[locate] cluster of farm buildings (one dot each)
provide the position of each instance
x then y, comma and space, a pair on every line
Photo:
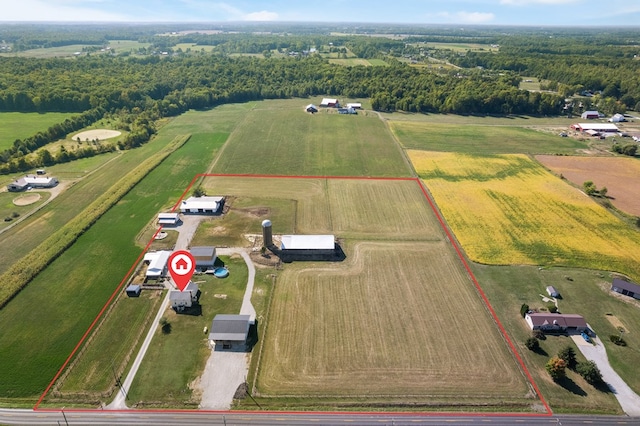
350, 108
601, 129
228, 331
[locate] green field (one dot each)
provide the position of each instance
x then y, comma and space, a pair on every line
481, 139
279, 138
59, 304
20, 125
50, 52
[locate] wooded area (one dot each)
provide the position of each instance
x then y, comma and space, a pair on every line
135, 88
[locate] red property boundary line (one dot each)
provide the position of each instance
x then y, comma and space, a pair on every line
452, 240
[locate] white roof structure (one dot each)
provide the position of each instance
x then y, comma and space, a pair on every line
34, 181
194, 204
310, 106
308, 242
354, 105
598, 127
617, 118
168, 218
157, 263
328, 101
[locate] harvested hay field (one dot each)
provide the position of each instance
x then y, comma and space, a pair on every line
621, 176
507, 209
352, 208
401, 320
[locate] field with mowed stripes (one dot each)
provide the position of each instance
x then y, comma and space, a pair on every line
399, 321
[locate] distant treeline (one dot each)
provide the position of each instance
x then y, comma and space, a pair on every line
137, 90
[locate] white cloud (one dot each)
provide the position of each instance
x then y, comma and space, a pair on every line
461, 17
263, 15
474, 17
528, 2
37, 10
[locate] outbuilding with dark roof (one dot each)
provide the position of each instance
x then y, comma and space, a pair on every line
229, 332
626, 288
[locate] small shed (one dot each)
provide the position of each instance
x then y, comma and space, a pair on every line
133, 290
626, 288
551, 291
354, 105
311, 108
168, 219
229, 331
617, 118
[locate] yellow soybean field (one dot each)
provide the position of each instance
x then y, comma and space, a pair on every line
507, 209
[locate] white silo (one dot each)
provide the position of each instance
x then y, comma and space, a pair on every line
267, 234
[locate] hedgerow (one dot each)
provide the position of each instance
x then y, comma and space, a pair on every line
23, 271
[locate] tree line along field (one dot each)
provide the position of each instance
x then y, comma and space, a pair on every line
281, 138
392, 323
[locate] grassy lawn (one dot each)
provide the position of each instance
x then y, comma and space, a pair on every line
52, 52
533, 217
481, 139
20, 125
585, 292
121, 46
56, 308
176, 359
285, 140
92, 376
245, 217
9, 208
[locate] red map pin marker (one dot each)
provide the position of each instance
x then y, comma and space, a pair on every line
181, 267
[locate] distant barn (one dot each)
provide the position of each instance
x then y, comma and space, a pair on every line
330, 103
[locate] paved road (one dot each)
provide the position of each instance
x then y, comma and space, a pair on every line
628, 399
70, 417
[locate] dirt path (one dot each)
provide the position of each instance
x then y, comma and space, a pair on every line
628, 399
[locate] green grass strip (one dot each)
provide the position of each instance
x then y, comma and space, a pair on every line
23, 271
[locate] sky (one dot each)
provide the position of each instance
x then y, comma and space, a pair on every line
470, 12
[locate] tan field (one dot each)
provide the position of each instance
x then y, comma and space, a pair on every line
396, 319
